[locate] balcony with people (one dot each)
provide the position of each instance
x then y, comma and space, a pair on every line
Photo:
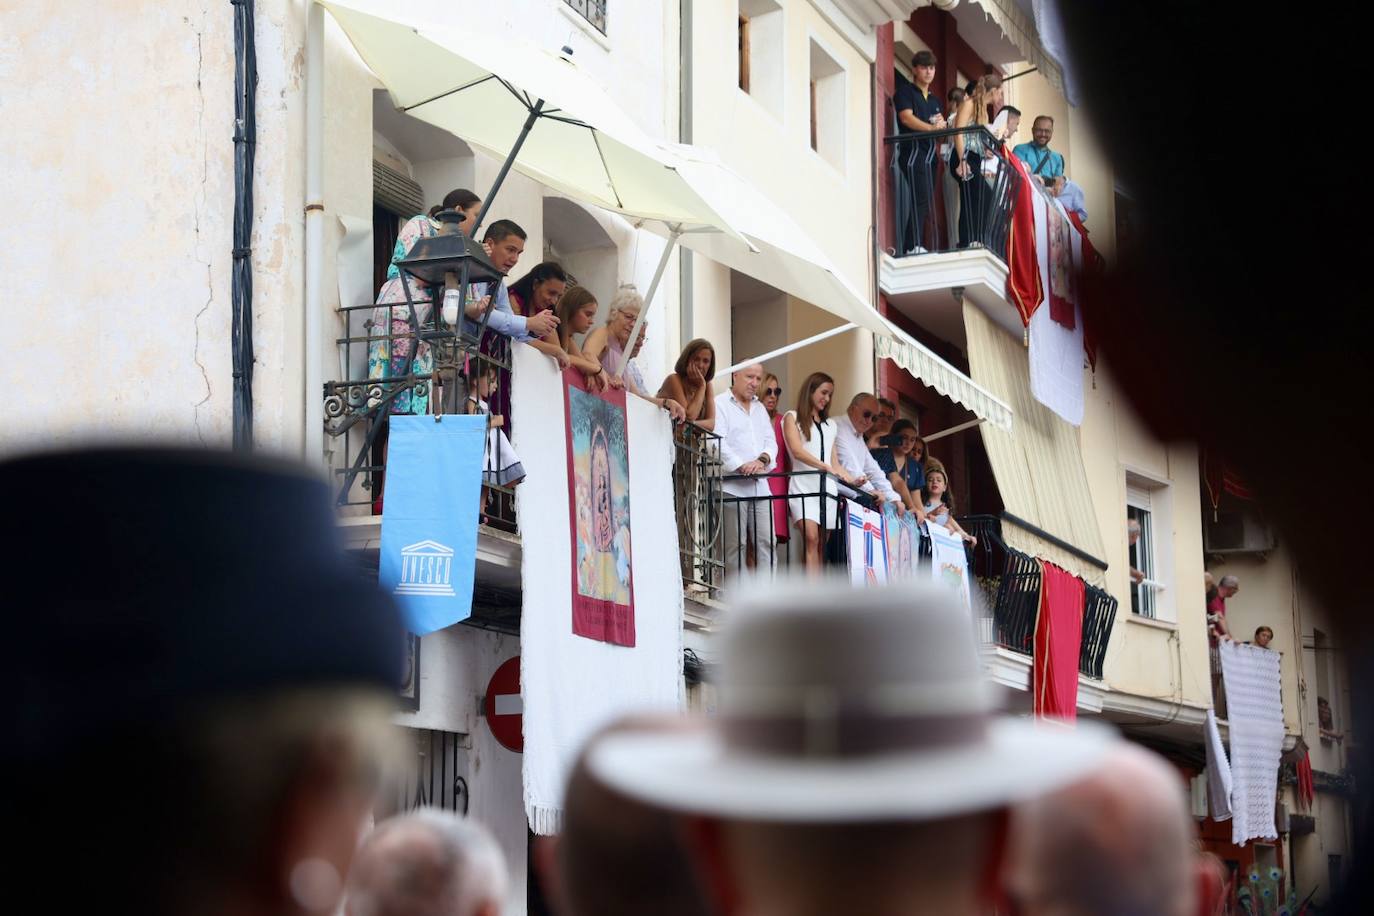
764, 494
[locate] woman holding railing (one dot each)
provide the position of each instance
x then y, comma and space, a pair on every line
966, 160
576, 313
770, 394
607, 343
810, 436
388, 354
903, 461
690, 382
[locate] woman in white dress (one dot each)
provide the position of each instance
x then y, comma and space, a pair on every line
810, 436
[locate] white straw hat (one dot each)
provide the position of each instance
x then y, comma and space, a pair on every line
843, 705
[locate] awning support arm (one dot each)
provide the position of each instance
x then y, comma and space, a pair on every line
505, 166
673, 234
780, 351
953, 429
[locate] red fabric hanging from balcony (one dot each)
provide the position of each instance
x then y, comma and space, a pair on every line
1306, 790
1219, 479
1058, 642
1023, 266
1094, 269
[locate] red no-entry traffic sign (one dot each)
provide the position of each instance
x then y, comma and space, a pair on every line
504, 707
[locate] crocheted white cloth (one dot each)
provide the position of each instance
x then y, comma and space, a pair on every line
1255, 712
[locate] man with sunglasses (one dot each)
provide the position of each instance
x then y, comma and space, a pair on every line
882, 424
857, 460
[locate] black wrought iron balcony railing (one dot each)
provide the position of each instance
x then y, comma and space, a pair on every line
1010, 583
724, 536
403, 358
594, 11
1099, 615
952, 189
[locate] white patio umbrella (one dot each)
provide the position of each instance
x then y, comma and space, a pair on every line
534, 109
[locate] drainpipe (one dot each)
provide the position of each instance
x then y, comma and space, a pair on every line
874, 181
684, 131
241, 279
314, 234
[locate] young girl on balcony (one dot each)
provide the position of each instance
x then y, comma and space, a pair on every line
576, 313
938, 504
501, 466
903, 460
966, 160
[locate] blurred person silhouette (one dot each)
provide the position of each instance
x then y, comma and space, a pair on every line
1168, 301
200, 685
1119, 842
854, 765
617, 855
427, 863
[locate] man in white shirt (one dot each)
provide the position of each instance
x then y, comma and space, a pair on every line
855, 457
747, 447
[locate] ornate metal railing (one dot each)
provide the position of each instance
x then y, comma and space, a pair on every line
406, 359
431, 775
594, 11
1099, 615
720, 533
697, 501
938, 208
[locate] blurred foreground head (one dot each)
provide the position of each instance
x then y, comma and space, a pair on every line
854, 765
428, 863
618, 855
201, 683
1118, 841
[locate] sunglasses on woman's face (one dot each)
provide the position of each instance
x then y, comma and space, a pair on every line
772, 392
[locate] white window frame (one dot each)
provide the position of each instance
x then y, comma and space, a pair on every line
1156, 597
832, 90
767, 56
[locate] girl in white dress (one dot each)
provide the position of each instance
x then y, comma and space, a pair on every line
502, 466
815, 509
935, 495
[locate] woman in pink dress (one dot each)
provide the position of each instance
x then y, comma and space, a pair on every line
769, 393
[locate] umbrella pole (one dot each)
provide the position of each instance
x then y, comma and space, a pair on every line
505, 166
648, 297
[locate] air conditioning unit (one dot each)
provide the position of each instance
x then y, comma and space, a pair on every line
1237, 532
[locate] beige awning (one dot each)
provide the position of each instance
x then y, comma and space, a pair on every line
926, 367
1039, 469
1017, 30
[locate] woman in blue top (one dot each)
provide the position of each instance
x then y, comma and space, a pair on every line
903, 461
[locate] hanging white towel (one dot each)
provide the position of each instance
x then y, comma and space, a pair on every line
1254, 708
1218, 772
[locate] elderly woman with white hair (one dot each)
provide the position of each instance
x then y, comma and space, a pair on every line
607, 345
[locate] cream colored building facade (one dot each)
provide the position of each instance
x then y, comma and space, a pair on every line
131, 337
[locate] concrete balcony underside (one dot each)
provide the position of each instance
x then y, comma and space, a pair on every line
922, 288
1165, 718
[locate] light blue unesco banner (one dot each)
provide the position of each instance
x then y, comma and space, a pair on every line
429, 518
